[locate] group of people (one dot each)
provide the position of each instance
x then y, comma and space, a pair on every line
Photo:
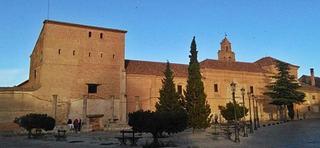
76, 125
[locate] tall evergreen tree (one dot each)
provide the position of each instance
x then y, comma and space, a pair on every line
169, 99
195, 99
283, 91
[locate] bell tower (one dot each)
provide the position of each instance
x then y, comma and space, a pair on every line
225, 53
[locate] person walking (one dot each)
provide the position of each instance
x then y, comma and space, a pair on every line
80, 125
70, 125
76, 125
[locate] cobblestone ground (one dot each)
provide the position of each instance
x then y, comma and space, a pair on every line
295, 134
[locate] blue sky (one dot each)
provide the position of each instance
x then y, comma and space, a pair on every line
162, 30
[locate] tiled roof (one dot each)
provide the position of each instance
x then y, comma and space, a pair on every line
306, 80
309, 87
154, 68
181, 70
84, 26
233, 66
266, 61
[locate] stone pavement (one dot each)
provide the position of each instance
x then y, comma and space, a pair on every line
295, 134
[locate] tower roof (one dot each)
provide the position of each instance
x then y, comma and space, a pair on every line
225, 40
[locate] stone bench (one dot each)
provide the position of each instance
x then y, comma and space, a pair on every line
124, 138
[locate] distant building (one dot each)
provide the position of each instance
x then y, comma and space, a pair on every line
311, 87
79, 71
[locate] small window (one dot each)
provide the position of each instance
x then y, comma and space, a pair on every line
92, 88
313, 97
74, 52
89, 34
101, 54
35, 73
101, 35
251, 89
59, 51
215, 87
113, 56
89, 54
179, 89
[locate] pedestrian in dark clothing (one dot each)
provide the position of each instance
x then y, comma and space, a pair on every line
76, 125
80, 125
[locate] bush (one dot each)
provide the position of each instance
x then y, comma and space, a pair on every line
228, 111
158, 122
35, 121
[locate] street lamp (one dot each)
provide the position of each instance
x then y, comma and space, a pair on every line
245, 134
258, 121
254, 113
251, 126
236, 133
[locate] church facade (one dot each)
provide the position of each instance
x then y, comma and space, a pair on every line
80, 71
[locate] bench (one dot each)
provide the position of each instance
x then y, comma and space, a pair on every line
132, 139
61, 135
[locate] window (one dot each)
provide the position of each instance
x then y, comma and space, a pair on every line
92, 88
35, 73
89, 54
179, 89
313, 97
113, 56
59, 51
101, 54
89, 34
251, 89
101, 35
74, 52
215, 88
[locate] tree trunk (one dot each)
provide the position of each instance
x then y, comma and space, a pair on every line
282, 113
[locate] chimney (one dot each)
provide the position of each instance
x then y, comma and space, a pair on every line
313, 81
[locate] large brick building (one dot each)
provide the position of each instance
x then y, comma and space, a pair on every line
79, 71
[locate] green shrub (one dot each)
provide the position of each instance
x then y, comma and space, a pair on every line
158, 122
35, 121
228, 111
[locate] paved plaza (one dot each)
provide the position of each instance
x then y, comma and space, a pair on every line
295, 134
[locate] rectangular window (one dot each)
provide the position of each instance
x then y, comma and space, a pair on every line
35, 74
216, 88
92, 88
179, 89
101, 35
89, 34
251, 89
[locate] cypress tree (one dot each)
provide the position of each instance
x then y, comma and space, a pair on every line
197, 108
169, 99
283, 91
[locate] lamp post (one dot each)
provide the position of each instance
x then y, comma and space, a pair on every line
236, 133
251, 126
258, 121
245, 134
254, 113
